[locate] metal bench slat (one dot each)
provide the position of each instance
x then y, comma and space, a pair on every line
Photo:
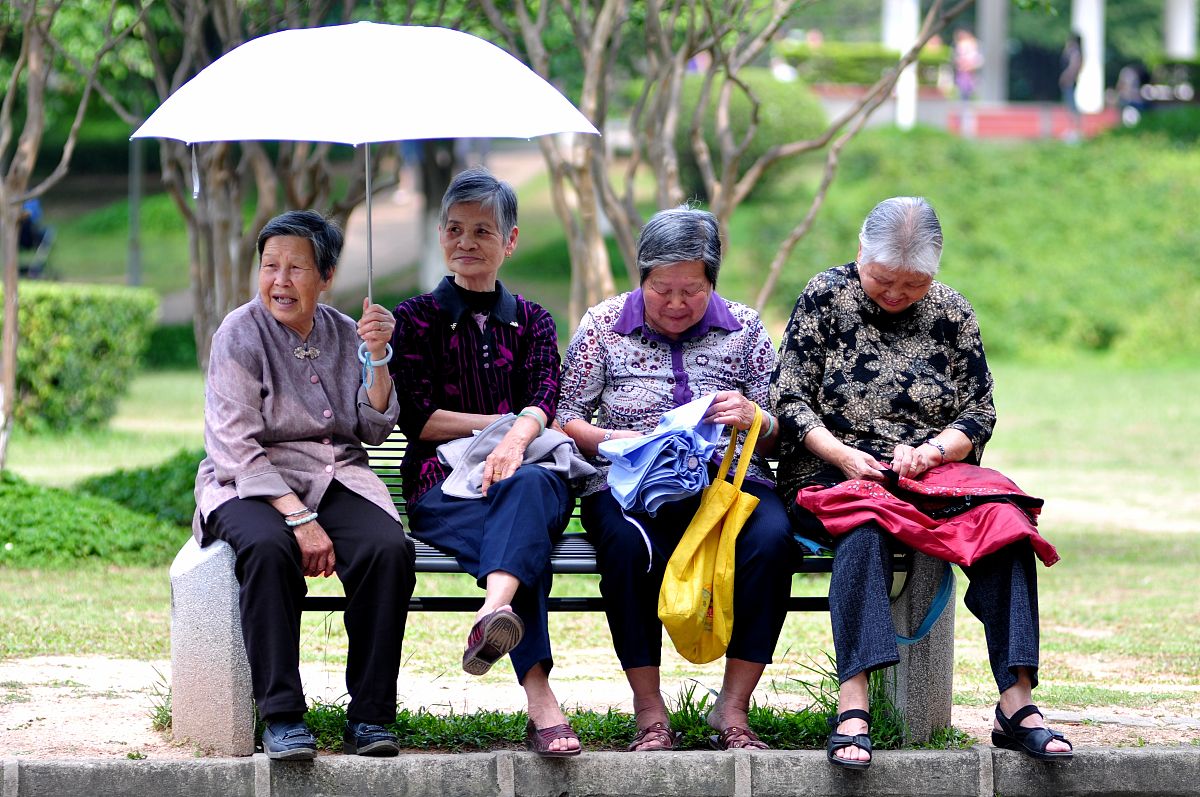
572, 554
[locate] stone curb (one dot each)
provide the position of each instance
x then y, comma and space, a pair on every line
977, 772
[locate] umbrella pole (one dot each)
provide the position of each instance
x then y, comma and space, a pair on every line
370, 263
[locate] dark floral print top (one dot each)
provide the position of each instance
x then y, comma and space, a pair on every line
876, 379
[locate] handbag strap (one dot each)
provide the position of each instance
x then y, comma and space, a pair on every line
749, 442
942, 597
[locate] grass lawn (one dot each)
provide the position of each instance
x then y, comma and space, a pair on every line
1110, 449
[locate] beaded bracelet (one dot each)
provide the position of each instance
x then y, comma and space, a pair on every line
531, 414
300, 521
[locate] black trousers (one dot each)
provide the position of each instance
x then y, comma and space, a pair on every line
374, 560
1002, 594
764, 558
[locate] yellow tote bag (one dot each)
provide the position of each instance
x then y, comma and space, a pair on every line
696, 600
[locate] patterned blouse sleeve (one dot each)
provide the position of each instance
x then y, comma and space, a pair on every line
411, 370
583, 373
542, 363
800, 368
970, 372
233, 418
760, 361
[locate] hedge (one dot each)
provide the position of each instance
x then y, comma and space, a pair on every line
788, 111
165, 491
856, 63
79, 348
49, 527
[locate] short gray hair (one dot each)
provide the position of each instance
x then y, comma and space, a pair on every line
478, 185
902, 234
324, 234
677, 236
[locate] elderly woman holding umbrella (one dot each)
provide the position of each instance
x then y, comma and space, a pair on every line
286, 482
882, 380
472, 357
634, 358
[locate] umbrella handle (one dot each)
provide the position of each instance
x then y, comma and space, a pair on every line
370, 264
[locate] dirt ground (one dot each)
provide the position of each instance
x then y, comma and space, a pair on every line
83, 707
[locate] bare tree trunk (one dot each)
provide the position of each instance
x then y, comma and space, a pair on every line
8, 343
438, 167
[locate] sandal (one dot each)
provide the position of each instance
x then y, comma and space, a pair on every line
736, 737
539, 741
659, 732
840, 741
1030, 741
493, 636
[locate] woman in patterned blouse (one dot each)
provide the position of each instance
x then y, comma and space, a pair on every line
466, 355
881, 368
634, 358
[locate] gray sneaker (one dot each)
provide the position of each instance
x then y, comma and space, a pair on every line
289, 741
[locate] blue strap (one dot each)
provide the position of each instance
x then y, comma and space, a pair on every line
944, 592
364, 357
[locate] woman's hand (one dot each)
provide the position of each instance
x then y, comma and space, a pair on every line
316, 549
375, 328
505, 458
859, 464
909, 462
731, 408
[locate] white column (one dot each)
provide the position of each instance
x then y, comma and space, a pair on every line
1179, 28
901, 23
992, 22
1087, 17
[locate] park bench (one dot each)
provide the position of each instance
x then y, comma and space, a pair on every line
211, 698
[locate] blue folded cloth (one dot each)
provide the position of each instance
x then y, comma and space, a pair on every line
668, 464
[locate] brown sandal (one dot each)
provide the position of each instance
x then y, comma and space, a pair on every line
737, 738
659, 732
539, 740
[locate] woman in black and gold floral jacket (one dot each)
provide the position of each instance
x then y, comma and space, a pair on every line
882, 369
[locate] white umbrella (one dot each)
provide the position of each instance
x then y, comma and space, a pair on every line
364, 82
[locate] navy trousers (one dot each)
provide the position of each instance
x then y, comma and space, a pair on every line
374, 561
764, 559
1002, 594
514, 530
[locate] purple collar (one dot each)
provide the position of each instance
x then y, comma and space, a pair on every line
716, 316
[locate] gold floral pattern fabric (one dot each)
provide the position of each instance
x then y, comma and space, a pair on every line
876, 379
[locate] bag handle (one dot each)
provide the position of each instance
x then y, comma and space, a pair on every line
750, 442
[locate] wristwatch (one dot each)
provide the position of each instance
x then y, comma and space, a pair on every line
941, 448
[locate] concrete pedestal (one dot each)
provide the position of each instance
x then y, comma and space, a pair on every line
212, 703
922, 684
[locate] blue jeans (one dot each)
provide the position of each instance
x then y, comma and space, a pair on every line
1002, 594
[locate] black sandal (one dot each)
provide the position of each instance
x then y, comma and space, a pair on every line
1030, 741
840, 741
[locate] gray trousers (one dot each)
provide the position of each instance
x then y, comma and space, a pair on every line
1002, 594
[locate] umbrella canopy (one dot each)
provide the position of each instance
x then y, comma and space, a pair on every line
364, 82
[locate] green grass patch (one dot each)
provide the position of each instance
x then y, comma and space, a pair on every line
46, 527
162, 412
421, 729
88, 610
164, 491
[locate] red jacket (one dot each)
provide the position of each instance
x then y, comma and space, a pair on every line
956, 512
